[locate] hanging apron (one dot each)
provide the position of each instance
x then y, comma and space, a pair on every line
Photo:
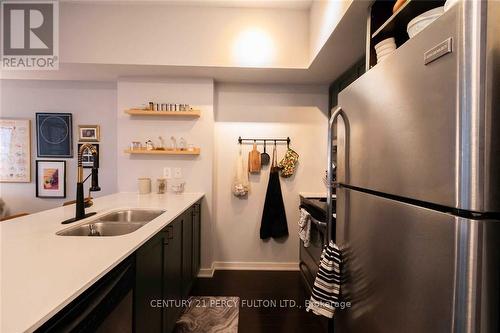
273, 222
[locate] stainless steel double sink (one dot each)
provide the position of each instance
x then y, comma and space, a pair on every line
120, 222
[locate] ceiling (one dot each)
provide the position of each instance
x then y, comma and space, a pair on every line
288, 4
344, 47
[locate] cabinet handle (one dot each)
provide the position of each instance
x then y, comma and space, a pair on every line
196, 209
169, 234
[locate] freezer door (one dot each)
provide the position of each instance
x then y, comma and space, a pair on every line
410, 269
424, 131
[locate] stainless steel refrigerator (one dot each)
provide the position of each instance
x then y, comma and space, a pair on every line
418, 175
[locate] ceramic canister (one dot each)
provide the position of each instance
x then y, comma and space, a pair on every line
144, 185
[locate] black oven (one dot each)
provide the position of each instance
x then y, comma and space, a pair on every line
310, 256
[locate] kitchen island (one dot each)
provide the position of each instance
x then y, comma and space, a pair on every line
42, 272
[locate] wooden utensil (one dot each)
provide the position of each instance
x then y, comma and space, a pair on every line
264, 157
398, 5
254, 161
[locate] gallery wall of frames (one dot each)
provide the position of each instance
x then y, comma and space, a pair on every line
40, 137
54, 143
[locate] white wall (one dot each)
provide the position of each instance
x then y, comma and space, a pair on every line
324, 16
90, 103
265, 111
197, 171
230, 226
159, 34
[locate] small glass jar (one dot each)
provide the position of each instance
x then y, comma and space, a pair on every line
161, 185
150, 145
177, 186
135, 145
182, 144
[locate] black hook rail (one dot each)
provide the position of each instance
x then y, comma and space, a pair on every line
287, 140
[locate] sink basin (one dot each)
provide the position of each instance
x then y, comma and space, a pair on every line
116, 223
131, 215
102, 229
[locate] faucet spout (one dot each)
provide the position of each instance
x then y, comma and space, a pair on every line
80, 200
93, 151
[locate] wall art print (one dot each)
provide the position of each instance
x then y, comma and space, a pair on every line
15, 150
54, 133
51, 179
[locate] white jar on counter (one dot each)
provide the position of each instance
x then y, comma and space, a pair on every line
144, 185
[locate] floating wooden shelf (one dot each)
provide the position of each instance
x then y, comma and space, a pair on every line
196, 151
139, 112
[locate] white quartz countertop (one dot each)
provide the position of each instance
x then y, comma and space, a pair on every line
315, 195
42, 272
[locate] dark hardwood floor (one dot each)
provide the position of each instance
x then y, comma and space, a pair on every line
253, 287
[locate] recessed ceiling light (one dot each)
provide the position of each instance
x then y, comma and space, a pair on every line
253, 47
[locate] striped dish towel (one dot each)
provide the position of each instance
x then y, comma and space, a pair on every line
326, 290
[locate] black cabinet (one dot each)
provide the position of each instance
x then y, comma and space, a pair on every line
149, 285
172, 277
166, 268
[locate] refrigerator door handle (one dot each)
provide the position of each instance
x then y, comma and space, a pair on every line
330, 185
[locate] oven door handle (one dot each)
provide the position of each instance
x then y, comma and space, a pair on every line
319, 223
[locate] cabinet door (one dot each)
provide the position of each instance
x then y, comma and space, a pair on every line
187, 251
196, 239
172, 276
148, 287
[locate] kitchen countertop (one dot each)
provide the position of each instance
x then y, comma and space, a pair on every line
312, 195
42, 272
315, 195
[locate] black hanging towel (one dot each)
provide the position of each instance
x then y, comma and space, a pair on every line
273, 222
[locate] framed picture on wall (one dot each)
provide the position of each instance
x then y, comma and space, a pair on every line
51, 179
54, 134
88, 158
89, 133
15, 150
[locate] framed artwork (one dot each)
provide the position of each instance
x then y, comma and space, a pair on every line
51, 179
54, 134
87, 158
15, 150
89, 133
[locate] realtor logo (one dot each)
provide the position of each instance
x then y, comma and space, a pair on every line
30, 35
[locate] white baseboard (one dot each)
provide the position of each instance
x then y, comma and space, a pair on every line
248, 266
206, 272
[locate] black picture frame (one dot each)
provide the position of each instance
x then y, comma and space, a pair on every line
42, 192
87, 159
54, 134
